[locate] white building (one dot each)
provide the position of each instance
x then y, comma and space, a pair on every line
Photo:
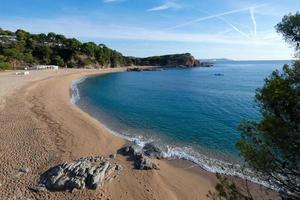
40, 67
22, 73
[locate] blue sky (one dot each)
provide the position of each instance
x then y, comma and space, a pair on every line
236, 29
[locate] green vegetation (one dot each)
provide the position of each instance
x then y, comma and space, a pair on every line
4, 64
290, 29
271, 147
167, 60
21, 48
226, 190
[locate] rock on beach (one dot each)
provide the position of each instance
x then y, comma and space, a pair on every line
88, 172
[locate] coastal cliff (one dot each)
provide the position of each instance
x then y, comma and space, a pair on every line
182, 60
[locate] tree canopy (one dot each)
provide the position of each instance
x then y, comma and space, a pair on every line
22, 48
289, 27
272, 145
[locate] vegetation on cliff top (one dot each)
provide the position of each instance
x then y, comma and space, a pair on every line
21, 48
167, 60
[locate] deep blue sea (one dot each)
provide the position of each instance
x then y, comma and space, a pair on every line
192, 113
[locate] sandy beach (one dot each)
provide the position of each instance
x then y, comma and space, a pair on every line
40, 128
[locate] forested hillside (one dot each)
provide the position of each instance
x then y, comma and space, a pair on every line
21, 49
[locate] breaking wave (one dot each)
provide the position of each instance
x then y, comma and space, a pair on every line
75, 96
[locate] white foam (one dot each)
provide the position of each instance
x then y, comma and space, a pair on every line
205, 162
75, 96
215, 165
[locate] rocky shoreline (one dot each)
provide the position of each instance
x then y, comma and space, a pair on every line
157, 68
143, 157
88, 172
94, 172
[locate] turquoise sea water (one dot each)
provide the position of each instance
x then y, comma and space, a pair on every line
191, 113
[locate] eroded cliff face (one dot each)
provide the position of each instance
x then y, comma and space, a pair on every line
191, 61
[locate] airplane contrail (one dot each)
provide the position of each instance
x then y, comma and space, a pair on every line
234, 27
213, 16
251, 10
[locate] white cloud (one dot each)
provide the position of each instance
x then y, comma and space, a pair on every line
165, 6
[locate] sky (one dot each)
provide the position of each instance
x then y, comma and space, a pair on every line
234, 29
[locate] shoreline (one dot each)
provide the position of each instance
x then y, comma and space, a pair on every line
204, 162
61, 132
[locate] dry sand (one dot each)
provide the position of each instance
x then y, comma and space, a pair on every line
40, 128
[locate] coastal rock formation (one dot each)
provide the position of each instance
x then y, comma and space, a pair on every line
140, 69
135, 69
142, 156
89, 172
152, 150
190, 61
133, 149
174, 60
145, 163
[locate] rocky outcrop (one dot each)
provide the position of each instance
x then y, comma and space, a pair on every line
133, 149
143, 69
190, 61
145, 163
143, 156
89, 172
135, 69
174, 60
152, 150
